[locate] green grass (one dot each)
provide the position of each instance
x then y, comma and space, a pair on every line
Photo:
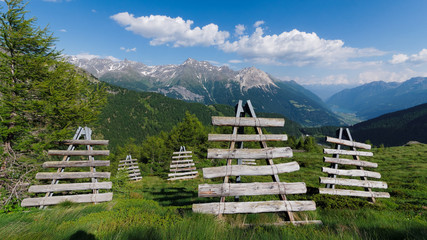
154, 208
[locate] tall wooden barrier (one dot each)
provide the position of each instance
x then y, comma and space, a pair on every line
182, 165
65, 191
131, 166
344, 140
254, 188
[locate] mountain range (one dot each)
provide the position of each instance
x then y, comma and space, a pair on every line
200, 81
377, 98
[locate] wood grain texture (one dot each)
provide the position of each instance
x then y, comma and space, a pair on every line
254, 207
182, 174
183, 152
263, 153
345, 161
248, 122
251, 189
353, 173
79, 152
348, 143
353, 182
182, 178
243, 170
181, 165
182, 157
82, 198
347, 152
247, 137
182, 161
71, 175
63, 164
69, 187
84, 142
354, 193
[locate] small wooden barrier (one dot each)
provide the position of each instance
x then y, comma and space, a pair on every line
331, 181
245, 159
131, 166
94, 186
182, 165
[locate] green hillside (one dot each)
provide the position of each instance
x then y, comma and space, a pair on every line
130, 114
394, 129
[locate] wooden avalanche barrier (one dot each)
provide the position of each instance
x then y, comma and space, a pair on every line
89, 191
246, 158
344, 140
131, 166
182, 165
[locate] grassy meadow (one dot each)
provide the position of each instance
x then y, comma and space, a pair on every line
154, 208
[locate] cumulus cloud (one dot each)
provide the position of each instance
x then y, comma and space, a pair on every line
88, 56
418, 58
258, 23
235, 61
128, 49
293, 48
239, 29
177, 31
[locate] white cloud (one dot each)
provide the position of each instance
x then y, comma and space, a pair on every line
128, 49
164, 29
89, 56
294, 48
258, 23
62, 30
239, 29
235, 61
113, 59
418, 58
93, 10
389, 76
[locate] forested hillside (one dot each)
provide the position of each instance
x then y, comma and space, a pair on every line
137, 115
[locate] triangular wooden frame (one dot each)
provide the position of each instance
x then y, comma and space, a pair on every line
131, 167
182, 165
344, 139
236, 151
60, 174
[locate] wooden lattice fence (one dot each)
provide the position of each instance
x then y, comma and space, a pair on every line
182, 165
131, 167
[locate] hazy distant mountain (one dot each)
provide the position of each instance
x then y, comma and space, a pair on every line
199, 81
394, 129
377, 98
326, 91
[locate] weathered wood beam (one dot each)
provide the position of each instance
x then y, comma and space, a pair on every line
183, 169
250, 189
183, 161
354, 193
81, 198
353, 182
248, 122
184, 152
69, 187
182, 165
79, 152
182, 174
63, 164
181, 178
71, 175
353, 173
254, 207
247, 137
348, 143
183, 156
128, 160
262, 153
84, 142
352, 162
347, 152
243, 170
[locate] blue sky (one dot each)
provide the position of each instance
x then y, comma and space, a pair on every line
312, 42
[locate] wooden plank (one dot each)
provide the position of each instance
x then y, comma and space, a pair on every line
69, 187
243, 170
353, 173
84, 142
248, 163
345, 161
348, 143
248, 122
184, 156
347, 152
182, 174
182, 165
254, 207
353, 182
250, 189
354, 193
135, 178
81, 198
71, 175
183, 169
182, 178
128, 165
128, 160
135, 175
79, 152
182, 161
263, 153
63, 164
247, 137
130, 168
183, 152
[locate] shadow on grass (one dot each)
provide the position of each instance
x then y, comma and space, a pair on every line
394, 234
175, 196
82, 235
